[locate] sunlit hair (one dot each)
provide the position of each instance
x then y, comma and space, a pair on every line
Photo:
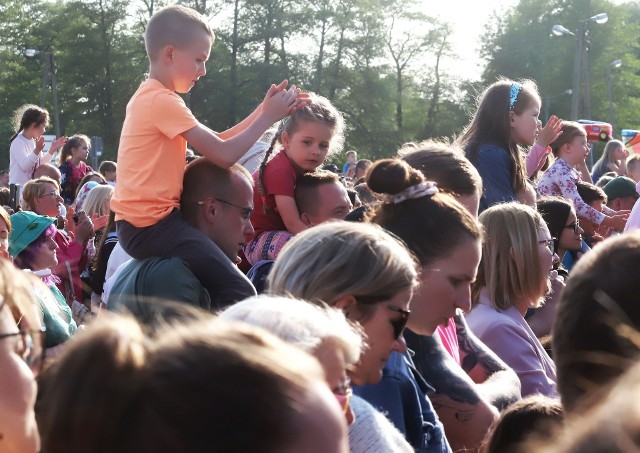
602, 165
4, 215
537, 415
632, 162
307, 186
307, 326
186, 388
27, 116
491, 123
595, 334
36, 188
107, 166
73, 142
97, 200
174, 25
591, 193
444, 164
203, 179
337, 259
570, 130
612, 426
510, 264
321, 111
431, 226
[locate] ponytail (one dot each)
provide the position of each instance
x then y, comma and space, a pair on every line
27, 115
263, 165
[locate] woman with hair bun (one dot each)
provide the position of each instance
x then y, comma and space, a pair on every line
445, 238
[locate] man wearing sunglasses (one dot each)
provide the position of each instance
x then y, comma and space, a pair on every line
217, 203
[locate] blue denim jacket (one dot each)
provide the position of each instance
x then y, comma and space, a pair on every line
402, 396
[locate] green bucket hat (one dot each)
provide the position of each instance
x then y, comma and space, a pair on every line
26, 227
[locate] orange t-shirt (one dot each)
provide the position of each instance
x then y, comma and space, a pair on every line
151, 155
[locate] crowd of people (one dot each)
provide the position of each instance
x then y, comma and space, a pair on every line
468, 296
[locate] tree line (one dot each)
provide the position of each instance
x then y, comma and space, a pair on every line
379, 61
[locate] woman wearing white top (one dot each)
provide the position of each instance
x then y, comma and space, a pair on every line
27, 143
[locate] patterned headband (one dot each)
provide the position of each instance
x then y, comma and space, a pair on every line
424, 189
514, 92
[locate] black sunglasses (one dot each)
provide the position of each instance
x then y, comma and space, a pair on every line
399, 324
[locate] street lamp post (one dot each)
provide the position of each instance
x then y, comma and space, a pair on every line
581, 63
49, 68
614, 64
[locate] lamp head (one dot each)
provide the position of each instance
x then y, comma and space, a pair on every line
600, 19
559, 30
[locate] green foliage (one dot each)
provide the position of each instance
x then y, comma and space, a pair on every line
345, 50
520, 45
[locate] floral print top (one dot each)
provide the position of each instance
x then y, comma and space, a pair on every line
560, 179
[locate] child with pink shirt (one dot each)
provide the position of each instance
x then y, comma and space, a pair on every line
570, 150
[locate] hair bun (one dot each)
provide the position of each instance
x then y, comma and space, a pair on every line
391, 176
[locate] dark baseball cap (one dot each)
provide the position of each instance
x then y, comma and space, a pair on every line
620, 187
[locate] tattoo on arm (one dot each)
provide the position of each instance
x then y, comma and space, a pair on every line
440, 370
475, 353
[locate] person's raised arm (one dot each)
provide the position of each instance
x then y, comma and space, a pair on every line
496, 382
225, 153
290, 214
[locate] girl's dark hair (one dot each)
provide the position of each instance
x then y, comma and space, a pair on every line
555, 212
570, 130
536, 415
321, 110
431, 226
72, 143
492, 124
444, 164
27, 115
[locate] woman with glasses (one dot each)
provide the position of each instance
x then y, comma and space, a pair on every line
42, 196
21, 338
33, 247
514, 275
361, 270
560, 216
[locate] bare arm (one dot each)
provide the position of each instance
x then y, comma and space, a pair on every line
227, 152
496, 382
465, 414
584, 172
290, 214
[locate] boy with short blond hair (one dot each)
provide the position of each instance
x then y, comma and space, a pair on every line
153, 146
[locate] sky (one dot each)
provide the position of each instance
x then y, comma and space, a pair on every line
468, 18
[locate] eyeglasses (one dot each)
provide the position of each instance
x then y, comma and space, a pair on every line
550, 244
575, 226
399, 323
30, 347
54, 194
246, 211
